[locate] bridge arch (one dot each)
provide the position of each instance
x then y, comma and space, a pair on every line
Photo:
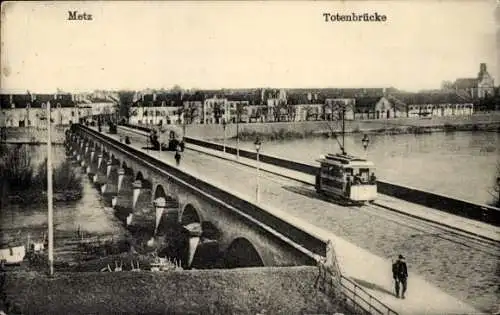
146, 184
190, 215
162, 192
242, 254
125, 166
105, 154
159, 192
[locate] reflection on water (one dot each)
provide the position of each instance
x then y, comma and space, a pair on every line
91, 214
458, 164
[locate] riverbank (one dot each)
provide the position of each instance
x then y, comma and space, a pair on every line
40, 196
283, 134
265, 290
34, 135
304, 129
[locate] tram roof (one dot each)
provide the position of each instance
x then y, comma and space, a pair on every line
345, 159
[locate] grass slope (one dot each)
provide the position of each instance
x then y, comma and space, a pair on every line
237, 291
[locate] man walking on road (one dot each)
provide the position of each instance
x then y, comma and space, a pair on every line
177, 156
400, 275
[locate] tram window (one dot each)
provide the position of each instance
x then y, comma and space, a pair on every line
364, 174
324, 169
333, 171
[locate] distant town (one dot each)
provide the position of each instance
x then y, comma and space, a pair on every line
224, 106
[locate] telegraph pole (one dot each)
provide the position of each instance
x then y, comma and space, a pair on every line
343, 130
50, 193
238, 113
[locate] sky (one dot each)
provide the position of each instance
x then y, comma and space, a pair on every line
211, 45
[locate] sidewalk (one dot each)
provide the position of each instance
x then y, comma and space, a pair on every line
439, 217
371, 272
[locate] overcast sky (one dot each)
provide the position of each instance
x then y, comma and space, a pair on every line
137, 45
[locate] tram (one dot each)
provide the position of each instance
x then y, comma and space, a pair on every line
347, 177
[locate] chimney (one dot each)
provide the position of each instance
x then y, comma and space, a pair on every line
482, 68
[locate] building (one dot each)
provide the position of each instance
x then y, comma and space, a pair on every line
214, 110
309, 112
476, 88
234, 108
155, 115
192, 112
333, 108
254, 113
434, 104
30, 110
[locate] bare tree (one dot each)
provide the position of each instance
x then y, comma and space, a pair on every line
218, 112
190, 112
291, 112
309, 111
125, 100
278, 110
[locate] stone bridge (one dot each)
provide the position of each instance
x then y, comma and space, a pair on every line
163, 203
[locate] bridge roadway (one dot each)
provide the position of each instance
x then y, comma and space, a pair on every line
357, 227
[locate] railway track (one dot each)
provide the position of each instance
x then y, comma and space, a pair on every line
428, 227
454, 235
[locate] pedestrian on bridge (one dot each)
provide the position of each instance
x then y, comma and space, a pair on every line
400, 275
178, 156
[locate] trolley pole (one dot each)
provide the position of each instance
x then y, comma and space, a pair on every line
237, 139
224, 127
50, 193
365, 141
257, 192
238, 110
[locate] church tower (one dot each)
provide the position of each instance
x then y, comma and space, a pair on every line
482, 71
485, 83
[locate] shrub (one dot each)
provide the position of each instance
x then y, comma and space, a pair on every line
18, 174
64, 177
16, 169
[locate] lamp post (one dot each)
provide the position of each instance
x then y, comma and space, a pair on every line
50, 193
224, 127
365, 142
257, 149
238, 112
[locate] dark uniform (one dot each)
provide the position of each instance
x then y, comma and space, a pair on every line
400, 275
177, 156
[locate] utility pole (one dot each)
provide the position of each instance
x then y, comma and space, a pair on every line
343, 130
238, 108
183, 121
50, 193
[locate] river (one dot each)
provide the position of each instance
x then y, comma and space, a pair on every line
91, 214
458, 164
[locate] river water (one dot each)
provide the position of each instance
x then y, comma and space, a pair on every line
458, 164
91, 214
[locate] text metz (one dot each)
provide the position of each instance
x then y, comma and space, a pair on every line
76, 16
